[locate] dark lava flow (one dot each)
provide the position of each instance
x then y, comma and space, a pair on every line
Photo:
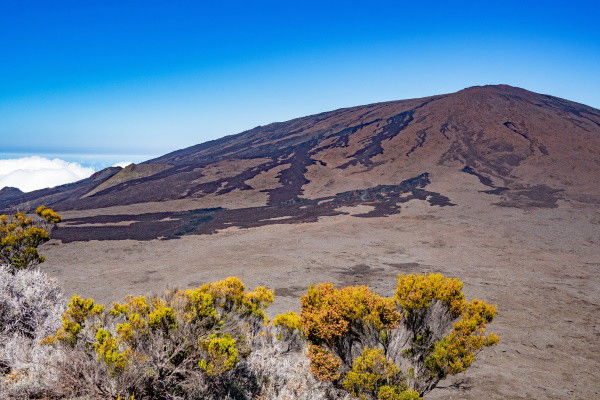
385, 200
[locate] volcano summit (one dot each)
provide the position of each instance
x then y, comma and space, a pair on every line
528, 150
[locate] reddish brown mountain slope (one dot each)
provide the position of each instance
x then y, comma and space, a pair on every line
529, 149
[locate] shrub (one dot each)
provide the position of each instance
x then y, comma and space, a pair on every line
456, 351
396, 393
184, 342
425, 332
415, 292
78, 311
215, 341
370, 372
290, 321
324, 365
329, 314
48, 214
229, 293
30, 303
107, 348
30, 307
222, 354
21, 235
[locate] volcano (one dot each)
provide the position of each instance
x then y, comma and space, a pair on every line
529, 150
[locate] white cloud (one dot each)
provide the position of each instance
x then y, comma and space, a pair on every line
31, 173
123, 164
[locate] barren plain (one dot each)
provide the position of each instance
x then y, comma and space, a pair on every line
540, 266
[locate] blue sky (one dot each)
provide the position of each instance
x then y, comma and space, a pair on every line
134, 79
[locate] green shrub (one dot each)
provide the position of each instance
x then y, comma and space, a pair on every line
20, 236
164, 344
370, 372
334, 321
290, 320
222, 353
199, 343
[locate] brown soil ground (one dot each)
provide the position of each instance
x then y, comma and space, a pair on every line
539, 265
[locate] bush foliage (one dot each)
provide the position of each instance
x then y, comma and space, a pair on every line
30, 308
198, 343
372, 373
21, 235
216, 341
427, 328
148, 347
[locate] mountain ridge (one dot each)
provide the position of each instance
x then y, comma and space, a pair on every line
227, 137
527, 148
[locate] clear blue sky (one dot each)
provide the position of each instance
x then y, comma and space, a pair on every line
148, 77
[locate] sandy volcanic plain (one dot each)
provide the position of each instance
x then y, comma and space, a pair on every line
540, 266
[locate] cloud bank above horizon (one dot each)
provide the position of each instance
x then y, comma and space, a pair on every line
35, 172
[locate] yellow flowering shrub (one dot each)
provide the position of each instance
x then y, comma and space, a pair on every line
324, 365
397, 393
456, 352
230, 293
107, 348
419, 291
332, 320
123, 333
369, 372
162, 317
290, 320
73, 319
19, 240
427, 327
327, 312
48, 214
20, 236
197, 305
222, 354
258, 299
